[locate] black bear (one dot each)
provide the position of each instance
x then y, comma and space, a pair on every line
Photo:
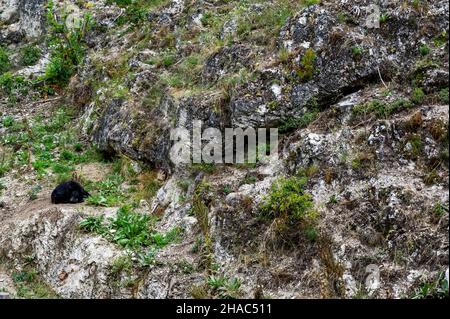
69, 193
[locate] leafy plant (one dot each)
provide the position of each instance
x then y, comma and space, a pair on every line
293, 123
130, 230
424, 49
94, 224
224, 287
384, 18
291, 205
357, 52
107, 193
30, 55
67, 45
5, 63
443, 96
437, 289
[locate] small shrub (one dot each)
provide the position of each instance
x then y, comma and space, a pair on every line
120, 264
291, 205
307, 69
439, 210
424, 50
13, 87
416, 4
357, 52
417, 96
293, 123
30, 55
32, 195
441, 40
443, 96
67, 46
5, 64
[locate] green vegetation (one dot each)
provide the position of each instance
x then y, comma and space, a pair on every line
224, 288
384, 18
67, 45
30, 286
291, 206
271, 19
121, 264
201, 212
107, 192
311, 2
416, 4
379, 108
441, 40
37, 141
424, 49
443, 96
439, 210
29, 55
417, 96
136, 10
415, 145
357, 52
4, 60
307, 69
129, 229
13, 87
437, 289
294, 123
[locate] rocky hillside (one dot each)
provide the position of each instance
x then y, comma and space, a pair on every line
355, 205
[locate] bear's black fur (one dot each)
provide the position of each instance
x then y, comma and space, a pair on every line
69, 193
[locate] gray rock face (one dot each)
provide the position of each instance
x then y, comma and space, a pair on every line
227, 60
378, 181
347, 58
135, 131
21, 18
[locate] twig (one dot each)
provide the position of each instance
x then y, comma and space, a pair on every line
381, 78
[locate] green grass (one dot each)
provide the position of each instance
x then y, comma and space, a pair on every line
293, 123
439, 210
379, 108
50, 142
13, 87
136, 10
30, 286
